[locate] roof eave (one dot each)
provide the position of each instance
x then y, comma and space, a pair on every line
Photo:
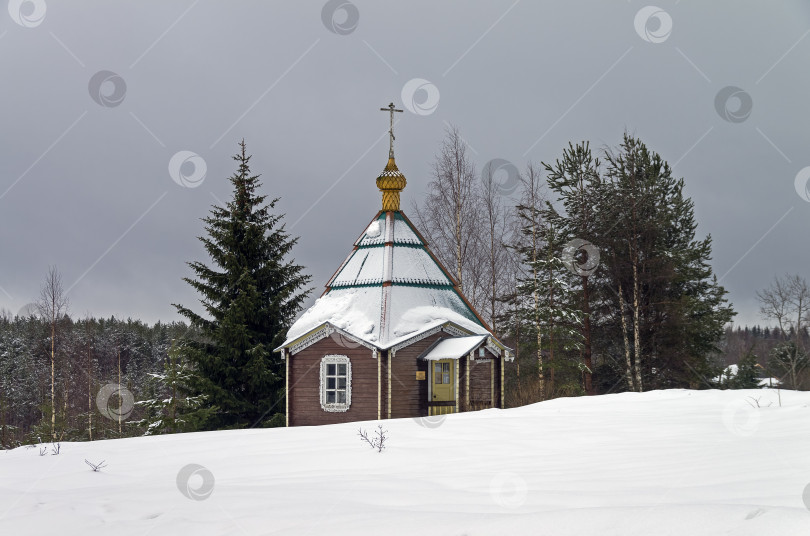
333, 329
396, 343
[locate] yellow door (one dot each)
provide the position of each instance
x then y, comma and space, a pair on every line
442, 382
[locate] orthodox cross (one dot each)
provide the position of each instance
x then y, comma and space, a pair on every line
390, 108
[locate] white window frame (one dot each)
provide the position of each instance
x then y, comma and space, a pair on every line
336, 360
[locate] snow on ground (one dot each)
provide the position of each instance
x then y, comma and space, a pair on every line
671, 462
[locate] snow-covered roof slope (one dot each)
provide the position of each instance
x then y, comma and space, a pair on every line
364, 266
412, 308
390, 288
350, 309
415, 265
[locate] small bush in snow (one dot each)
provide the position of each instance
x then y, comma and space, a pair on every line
754, 402
376, 442
96, 467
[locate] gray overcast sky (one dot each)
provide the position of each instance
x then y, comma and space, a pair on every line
86, 185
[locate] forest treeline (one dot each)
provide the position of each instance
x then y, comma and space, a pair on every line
89, 354
589, 266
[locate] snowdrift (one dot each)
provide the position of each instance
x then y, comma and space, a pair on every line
671, 462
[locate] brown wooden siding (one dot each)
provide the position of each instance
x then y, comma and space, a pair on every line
497, 401
480, 383
305, 402
409, 395
383, 356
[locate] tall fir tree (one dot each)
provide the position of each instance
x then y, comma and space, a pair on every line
251, 295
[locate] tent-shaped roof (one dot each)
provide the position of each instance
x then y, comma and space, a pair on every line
389, 289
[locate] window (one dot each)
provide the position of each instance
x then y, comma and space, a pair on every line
336, 383
441, 373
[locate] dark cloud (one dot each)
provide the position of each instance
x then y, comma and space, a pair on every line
85, 172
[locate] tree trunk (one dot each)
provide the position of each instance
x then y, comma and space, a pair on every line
517, 358
586, 328
542, 385
540, 375
493, 275
458, 244
89, 395
636, 329
65, 402
53, 379
551, 323
628, 362
119, 392
2, 422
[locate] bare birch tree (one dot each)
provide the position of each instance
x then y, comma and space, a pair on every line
787, 301
529, 246
52, 306
446, 217
495, 230
89, 373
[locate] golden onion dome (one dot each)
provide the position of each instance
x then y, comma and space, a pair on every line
391, 182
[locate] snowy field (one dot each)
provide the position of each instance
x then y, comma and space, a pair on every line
660, 463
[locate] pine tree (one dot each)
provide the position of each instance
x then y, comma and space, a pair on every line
660, 272
575, 180
251, 296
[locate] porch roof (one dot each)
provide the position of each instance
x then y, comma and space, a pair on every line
453, 347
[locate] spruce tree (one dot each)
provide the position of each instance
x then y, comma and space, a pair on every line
747, 373
543, 299
172, 408
251, 295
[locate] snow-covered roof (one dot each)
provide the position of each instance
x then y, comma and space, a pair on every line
389, 289
453, 348
350, 309
769, 382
